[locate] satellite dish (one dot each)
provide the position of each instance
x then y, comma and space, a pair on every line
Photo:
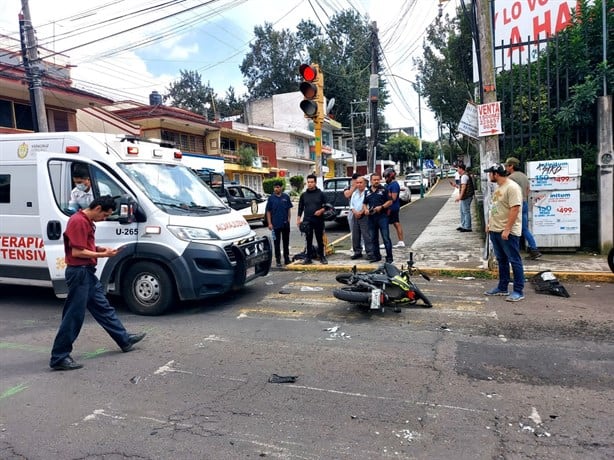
330, 105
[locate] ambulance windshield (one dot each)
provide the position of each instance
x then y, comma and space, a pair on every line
174, 188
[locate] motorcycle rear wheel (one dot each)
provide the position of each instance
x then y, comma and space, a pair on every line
350, 294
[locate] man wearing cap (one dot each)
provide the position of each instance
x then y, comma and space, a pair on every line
511, 166
504, 229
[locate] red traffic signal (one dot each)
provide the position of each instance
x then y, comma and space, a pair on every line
312, 88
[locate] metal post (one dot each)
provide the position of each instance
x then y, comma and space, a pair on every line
420, 139
33, 69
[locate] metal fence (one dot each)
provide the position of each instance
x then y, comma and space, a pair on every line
533, 95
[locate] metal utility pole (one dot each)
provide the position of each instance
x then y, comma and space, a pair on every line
33, 68
373, 99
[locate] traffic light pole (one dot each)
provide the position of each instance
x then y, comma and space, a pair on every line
312, 106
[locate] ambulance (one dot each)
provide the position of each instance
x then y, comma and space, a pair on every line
178, 240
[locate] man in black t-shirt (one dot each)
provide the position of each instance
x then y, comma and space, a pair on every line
311, 208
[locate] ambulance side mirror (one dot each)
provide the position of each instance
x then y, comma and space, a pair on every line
127, 209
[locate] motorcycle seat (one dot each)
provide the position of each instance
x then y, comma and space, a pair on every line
391, 270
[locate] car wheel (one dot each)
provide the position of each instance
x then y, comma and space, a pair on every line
147, 289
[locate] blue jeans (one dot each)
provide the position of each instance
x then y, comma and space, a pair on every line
84, 291
465, 213
507, 253
525, 227
378, 223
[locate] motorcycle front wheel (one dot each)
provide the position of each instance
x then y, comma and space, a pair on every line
421, 296
350, 294
344, 278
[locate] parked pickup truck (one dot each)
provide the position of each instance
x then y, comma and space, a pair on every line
333, 190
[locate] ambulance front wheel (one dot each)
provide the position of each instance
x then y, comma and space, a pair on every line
147, 289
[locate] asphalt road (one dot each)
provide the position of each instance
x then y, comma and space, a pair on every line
472, 378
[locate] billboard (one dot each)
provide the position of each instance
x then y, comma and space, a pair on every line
518, 21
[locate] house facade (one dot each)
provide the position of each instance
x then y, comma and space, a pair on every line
61, 100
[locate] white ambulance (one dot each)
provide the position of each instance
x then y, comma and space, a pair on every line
179, 240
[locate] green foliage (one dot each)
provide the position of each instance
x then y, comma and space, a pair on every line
402, 149
342, 50
246, 155
271, 66
297, 183
269, 184
189, 92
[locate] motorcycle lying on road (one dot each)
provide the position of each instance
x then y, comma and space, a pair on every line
386, 286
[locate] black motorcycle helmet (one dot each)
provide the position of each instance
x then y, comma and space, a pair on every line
329, 212
304, 226
389, 172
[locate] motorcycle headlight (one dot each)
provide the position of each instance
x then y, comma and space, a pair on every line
192, 233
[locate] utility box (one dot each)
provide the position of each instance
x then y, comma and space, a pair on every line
554, 202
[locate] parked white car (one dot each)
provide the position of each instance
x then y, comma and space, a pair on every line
412, 182
405, 194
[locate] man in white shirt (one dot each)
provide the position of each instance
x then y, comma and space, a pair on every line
82, 194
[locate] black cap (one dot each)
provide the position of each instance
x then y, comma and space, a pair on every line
497, 168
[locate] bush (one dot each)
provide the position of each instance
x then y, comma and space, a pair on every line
297, 182
269, 184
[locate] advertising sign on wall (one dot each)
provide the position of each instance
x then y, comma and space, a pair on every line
556, 212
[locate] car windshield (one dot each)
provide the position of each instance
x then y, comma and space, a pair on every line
175, 189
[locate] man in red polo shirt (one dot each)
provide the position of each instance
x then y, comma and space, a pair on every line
84, 288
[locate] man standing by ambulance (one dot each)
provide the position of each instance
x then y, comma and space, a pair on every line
84, 288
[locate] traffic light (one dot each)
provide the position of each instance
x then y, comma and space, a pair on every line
312, 88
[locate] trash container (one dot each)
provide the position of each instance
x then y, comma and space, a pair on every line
554, 203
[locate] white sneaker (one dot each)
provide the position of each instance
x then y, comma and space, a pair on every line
400, 244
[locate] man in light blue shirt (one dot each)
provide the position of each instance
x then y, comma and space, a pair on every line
360, 221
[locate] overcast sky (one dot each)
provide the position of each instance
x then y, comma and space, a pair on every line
123, 49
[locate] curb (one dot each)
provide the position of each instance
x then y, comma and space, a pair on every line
457, 272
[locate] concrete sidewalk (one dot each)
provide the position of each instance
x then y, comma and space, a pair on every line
441, 250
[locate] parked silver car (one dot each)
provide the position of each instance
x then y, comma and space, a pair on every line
412, 182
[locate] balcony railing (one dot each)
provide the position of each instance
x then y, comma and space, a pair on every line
230, 156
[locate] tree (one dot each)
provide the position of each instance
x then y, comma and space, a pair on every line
231, 105
446, 74
271, 65
402, 149
342, 50
189, 93
247, 155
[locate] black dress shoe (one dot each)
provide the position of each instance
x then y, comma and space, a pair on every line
67, 364
133, 339
356, 256
287, 262
464, 230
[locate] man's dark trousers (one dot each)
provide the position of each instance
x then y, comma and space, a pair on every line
283, 234
85, 290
